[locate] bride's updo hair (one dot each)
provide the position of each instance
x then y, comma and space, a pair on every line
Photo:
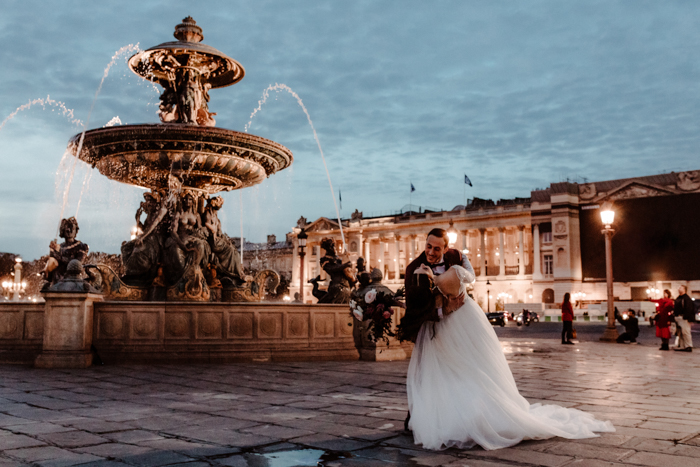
450, 282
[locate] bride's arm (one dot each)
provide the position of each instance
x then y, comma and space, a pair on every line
471, 276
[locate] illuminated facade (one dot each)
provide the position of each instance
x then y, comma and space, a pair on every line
533, 250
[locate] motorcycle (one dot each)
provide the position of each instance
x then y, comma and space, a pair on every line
526, 317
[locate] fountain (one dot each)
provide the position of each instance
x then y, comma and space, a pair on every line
182, 272
180, 252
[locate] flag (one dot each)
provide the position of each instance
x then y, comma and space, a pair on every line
467, 181
340, 198
412, 188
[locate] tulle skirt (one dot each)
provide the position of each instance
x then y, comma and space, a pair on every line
461, 391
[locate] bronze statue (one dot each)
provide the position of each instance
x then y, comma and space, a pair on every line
187, 243
61, 255
342, 277
142, 255
225, 258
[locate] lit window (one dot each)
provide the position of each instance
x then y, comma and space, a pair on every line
548, 264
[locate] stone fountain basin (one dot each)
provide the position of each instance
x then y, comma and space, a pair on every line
205, 158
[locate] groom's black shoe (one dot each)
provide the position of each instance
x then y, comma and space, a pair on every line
568, 342
405, 422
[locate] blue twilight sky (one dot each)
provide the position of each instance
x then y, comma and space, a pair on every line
515, 94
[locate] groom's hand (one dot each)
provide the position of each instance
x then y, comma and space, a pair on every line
455, 303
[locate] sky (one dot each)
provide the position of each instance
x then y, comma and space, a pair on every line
516, 95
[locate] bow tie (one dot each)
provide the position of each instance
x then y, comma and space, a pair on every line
436, 265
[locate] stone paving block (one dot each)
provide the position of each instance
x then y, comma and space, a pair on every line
97, 426
647, 433
115, 450
389, 414
312, 405
330, 442
275, 431
594, 463
527, 457
37, 428
13, 441
606, 453
680, 428
157, 458
132, 436
346, 409
188, 448
656, 459
474, 463
73, 439
9, 420
51, 455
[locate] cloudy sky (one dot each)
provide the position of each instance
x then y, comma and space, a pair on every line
515, 94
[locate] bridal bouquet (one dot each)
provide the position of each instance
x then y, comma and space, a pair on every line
376, 306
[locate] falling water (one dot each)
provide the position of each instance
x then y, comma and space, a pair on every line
114, 121
65, 111
283, 87
86, 185
131, 48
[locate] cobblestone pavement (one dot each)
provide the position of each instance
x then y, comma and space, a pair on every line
339, 413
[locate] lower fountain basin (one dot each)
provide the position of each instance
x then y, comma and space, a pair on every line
204, 158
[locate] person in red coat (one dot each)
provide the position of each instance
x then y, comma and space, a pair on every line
663, 318
567, 317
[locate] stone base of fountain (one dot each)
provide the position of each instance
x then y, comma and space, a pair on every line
178, 332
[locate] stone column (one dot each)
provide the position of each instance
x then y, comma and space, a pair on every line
482, 252
521, 250
368, 244
295, 263
397, 258
318, 262
501, 252
536, 271
68, 318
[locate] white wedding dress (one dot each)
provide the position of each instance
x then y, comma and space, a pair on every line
461, 391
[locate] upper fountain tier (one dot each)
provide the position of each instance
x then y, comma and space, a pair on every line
186, 151
160, 63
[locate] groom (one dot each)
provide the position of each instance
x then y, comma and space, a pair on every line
439, 258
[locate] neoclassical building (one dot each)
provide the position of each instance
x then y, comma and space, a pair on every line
535, 249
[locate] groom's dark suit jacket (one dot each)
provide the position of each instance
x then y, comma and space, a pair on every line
420, 295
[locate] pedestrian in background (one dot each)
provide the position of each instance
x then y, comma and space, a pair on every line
664, 318
631, 324
567, 318
684, 314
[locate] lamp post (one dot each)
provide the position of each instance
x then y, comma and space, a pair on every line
488, 297
452, 234
607, 216
301, 237
17, 286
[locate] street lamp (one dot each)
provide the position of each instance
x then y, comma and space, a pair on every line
488, 297
18, 286
607, 216
452, 234
301, 237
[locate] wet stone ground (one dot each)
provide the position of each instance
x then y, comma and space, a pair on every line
340, 413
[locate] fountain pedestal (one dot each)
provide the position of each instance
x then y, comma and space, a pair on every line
379, 351
68, 320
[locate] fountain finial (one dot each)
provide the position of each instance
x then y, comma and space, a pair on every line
188, 31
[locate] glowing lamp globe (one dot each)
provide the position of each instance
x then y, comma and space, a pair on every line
607, 215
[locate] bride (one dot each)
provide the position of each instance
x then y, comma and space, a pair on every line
461, 391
